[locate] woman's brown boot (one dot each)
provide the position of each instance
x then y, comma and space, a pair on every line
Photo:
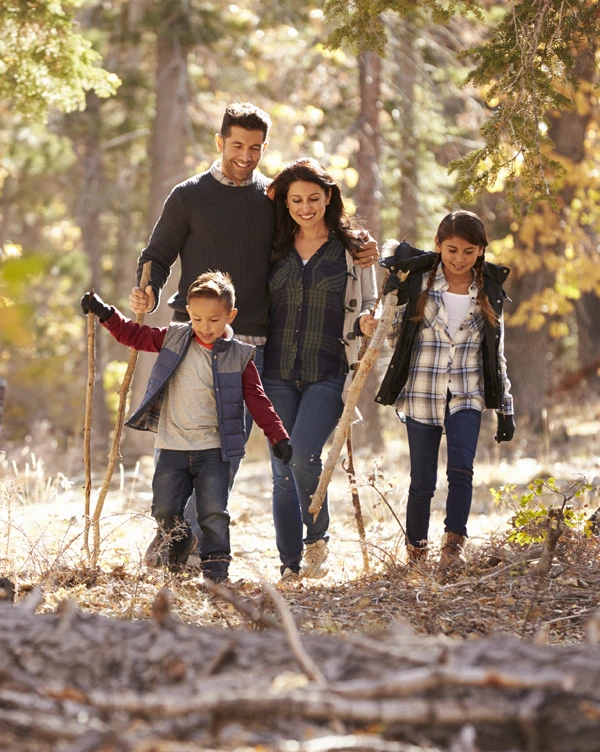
452, 550
416, 554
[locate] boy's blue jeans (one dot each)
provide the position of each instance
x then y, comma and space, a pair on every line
309, 413
462, 434
177, 474
190, 509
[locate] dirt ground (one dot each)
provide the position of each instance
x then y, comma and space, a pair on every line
41, 515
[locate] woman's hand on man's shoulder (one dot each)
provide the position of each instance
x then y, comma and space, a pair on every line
368, 253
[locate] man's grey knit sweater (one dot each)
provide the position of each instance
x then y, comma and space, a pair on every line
212, 226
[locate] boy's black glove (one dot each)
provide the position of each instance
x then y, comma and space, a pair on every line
92, 303
506, 428
283, 450
393, 282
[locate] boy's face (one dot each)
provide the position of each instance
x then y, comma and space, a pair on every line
209, 317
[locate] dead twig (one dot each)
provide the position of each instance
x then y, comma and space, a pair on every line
414, 681
224, 654
305, 662
255, 615
358, 516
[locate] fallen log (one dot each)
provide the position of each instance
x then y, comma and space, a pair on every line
71, 679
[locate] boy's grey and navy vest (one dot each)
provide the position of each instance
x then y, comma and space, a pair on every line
418, 263
229, 360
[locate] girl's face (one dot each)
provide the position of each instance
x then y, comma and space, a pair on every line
307, 203
458, 256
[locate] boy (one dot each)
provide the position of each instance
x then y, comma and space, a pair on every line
195, 403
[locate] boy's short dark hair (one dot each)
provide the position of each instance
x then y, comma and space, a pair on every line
247, 116
213, 285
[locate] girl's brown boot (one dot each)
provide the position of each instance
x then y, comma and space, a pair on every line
416, 554
452, 550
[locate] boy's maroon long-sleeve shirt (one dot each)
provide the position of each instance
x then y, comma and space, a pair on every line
150, 339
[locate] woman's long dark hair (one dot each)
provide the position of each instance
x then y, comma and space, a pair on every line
467, 226
336, 218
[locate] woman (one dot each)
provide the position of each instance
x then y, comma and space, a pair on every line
319, 305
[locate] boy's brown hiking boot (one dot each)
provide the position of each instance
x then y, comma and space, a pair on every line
181, 549
157, 553
416, 554
452, 553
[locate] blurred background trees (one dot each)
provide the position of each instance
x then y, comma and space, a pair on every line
102, 117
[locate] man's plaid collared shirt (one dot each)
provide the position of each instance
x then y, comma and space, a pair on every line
442, 364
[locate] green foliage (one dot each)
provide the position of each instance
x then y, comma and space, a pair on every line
359, 24
529, 523
44, 63
526, 71
529, 71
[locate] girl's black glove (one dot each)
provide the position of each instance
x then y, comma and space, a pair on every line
506, 428
92, 303
283, 450
393, 282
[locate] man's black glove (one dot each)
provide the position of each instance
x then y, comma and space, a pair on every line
393, 282
506, 428
283, 450
92, 303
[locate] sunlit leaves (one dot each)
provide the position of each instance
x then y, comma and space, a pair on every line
527, 71
44, 62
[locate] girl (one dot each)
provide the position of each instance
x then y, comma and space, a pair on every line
448, 366
319, 303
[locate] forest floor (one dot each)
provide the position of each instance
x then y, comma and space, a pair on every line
41, 518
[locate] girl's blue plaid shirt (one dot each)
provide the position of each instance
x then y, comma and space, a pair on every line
441, 364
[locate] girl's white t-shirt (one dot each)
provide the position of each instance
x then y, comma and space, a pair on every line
457, 308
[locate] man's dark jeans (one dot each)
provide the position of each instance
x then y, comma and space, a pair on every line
190, 510
462, 434
309, 413
177, 474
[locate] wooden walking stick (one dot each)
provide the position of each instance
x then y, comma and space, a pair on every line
358, 516
115, 452
363, 367
349, 466
87, 426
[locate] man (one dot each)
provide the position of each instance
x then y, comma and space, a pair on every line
222, 220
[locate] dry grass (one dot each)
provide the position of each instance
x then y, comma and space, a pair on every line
41, 528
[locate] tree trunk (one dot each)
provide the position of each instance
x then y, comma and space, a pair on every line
167, 156
405, 78
90, 207
530, 353
368, 193
368, 202
587, 310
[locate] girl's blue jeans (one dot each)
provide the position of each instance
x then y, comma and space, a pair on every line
309, 413
462, 434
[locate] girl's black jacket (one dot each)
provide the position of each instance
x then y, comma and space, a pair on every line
417, 263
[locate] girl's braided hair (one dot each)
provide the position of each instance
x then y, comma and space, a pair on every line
467, 226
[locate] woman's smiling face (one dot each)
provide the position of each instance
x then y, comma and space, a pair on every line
307, 203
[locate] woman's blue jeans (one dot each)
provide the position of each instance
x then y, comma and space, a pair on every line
177, 473
309, 412
462, 434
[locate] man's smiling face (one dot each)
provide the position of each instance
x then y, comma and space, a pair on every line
241, 152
